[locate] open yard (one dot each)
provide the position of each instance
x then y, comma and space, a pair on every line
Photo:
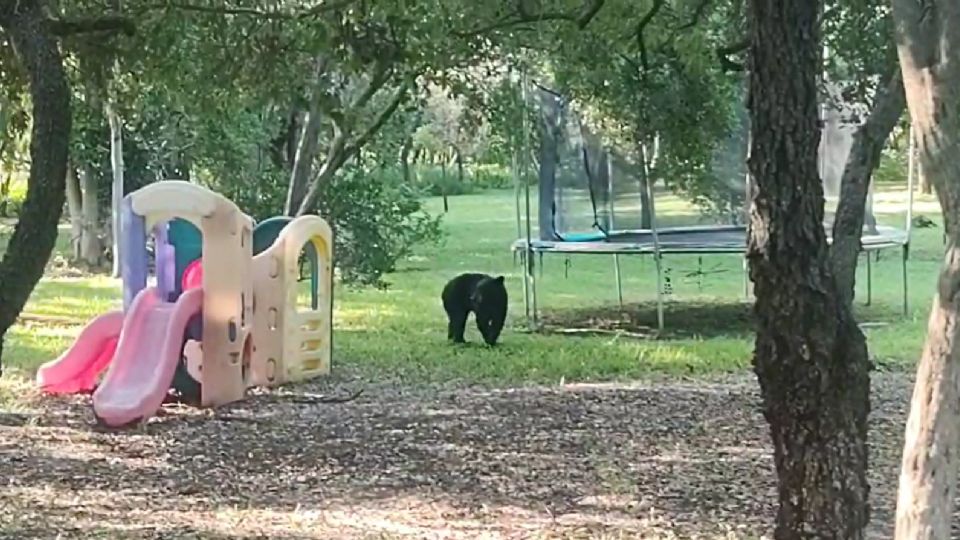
545, 436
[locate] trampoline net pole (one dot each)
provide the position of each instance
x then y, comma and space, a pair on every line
612, 224
530, 275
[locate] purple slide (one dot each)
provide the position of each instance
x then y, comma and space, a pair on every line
146, 358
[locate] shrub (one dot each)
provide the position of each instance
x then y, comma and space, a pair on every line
376, 219
376, 223
12, 194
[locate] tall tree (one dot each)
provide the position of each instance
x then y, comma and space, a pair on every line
928, 43
810, 357
26, 25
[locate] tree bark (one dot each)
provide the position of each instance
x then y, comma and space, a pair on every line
35, 234
405, 159
75, 207
925, 186
551, 115
341, 150
91, 245
116, 167
643, 183
810, 356
928, 44
309, 141
864, 157
458, 156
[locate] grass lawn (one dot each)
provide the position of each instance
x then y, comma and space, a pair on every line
402, 330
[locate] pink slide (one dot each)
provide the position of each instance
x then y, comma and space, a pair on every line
146, 357
77, 369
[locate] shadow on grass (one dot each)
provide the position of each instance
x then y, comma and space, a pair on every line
682, 320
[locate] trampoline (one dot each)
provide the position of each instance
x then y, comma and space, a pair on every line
595, 201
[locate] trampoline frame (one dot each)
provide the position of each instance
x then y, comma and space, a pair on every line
527, 247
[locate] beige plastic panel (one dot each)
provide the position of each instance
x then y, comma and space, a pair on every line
227, 302
162, 201
291, 346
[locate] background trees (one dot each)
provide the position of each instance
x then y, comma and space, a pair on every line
348, 108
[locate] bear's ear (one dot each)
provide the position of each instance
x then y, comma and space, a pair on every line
499, 278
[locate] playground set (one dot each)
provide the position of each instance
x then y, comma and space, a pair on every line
222, 316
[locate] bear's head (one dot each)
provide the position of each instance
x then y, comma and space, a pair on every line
489, 303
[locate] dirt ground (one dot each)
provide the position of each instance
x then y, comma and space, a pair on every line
659, 459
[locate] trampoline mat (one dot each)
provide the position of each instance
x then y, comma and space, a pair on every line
728, 239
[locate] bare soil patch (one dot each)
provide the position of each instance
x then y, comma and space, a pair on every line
657, 459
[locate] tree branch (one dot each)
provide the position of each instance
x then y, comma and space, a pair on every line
698, 12
724, 53
522, 16
641, 26
109, 23
318, 9
381, 120
379, 78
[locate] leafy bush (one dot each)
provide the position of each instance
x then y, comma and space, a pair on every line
431, 180
489, 176
375, 223
12, 194
376, 219
893, 167
434, 182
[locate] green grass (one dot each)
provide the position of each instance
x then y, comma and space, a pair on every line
402, 331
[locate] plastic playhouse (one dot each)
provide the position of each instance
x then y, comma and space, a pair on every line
222, 316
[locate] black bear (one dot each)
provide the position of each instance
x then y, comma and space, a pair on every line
485, 296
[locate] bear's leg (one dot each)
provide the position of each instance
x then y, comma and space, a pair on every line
458, 323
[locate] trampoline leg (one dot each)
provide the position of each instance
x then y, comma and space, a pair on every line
700, 274
533, 294
869, 281
526, 285
616, 273
656, 258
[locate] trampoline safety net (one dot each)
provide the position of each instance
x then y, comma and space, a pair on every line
590, 191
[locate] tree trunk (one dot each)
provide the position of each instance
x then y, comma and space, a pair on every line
928, 44
551, 115
643, 184
308, 143
91, 245
75, 206
810, 356
443, 184
337, 155
458, 156
35, 234
5, 182
926, 187
405, 159
303, 162
116, 188
863, 159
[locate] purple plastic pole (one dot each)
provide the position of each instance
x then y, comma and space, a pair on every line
164, 260
133, 261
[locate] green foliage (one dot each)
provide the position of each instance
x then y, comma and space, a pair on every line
402, 331
491, 176
434, 181
12, 194
376, 224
